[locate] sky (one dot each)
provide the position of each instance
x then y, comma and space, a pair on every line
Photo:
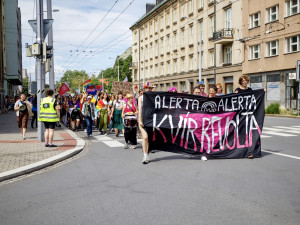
75, 45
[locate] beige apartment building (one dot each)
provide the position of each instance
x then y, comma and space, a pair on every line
166, 44
271, 38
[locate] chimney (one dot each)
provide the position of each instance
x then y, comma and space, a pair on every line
149, 7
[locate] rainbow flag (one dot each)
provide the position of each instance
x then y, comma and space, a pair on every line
89, 81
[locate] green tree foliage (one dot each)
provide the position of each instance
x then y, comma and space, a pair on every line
74, 79
25, 85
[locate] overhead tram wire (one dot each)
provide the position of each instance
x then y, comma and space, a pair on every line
95, 27
107, 27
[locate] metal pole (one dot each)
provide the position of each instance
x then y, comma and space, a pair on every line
50, 43
118, 70
215, 52
200, 55
39, 67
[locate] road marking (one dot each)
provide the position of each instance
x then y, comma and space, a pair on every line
287, 130
281, 154
279, 134
113, 144
264, 136
103, 138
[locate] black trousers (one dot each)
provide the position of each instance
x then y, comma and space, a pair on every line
34, 118
130, 135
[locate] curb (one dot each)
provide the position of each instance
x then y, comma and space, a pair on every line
46, 162
282, 116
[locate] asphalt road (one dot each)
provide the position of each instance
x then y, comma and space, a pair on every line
110, 185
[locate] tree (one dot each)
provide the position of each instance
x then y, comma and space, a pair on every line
25, 85
74, 79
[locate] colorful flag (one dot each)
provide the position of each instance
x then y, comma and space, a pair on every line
102, 80
87, 82
56, 87
126, 79
64, 89
99, 87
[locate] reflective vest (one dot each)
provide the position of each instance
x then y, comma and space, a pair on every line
48, 113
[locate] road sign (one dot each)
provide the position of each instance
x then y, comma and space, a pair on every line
47, 25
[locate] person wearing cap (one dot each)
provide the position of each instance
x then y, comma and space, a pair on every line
145, 143
89, 112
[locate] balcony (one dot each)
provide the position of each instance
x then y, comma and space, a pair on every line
133, 65
224, 36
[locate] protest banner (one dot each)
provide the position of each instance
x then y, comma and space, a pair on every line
227, 126
64, 89
121, 86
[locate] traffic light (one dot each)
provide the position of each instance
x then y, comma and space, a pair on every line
46, 52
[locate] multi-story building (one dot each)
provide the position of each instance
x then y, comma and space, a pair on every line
166, 44
271, 35
2, 54
13, 43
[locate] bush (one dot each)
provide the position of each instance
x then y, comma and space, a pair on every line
273, 108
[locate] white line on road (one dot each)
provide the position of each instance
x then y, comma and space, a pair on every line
113, 144
280, 154
264, 136
103, 138
279, 134
287, 130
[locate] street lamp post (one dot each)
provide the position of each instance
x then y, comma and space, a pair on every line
50, 43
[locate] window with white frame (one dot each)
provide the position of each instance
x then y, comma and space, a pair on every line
182, 10
212, 57
191, 62
228, 18
175, 40
293, 44
182, 84
255, 20
200, 4
272, 48
227, 54
175, 65
182, 38
292, 7
191, 35
168, 19
175, 15
254, 52
169, 43
182, 64
212, 25
191, 6
162, 22
272, 14
168, 67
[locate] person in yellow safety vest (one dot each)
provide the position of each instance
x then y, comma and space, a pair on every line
48, 115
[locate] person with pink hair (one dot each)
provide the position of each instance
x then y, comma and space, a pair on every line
173, 89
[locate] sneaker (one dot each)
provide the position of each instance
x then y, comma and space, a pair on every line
203, 158
117, 135
146, 159
105, 134
133, 146
24, 138
91, 135
85, 130
52, 146
126, 146
59, 125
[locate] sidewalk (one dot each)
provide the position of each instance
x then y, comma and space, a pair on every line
19, 157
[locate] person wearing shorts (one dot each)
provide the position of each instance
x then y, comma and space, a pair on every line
49, 115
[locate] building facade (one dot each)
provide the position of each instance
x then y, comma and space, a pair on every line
13, 43
271, 36
166, 44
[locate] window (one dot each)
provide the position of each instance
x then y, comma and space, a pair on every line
182, 38
255, 79
168, 19
227, 54
146, 51
272, 48
151, 50
255, 52
175, 66
175, 40
272, 14
162, 46
191, 35
191, 6
182, 84
273, 78
255, 20
201, 27
169, 43
151, 28
174, 15
212, 57
191, 62
292, 7
182, 10
146, 32
156, 48
212, 25
162, 22
228, 18
142, 34
293, 44
168, 67
162, 71
156, 25
182, 64
156, 70
200, 2
135, 36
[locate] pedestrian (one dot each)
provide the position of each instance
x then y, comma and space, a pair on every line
49, 111
6, 103
129, 113
90, 114
75, 114
145, 143
103, 114
243, 81
202, 89
23, 108
220, 89
34, 111
212, 91
173, 89
196, 90
117, 120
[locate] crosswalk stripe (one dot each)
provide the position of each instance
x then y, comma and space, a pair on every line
113, 144
289, 128
281, 130
281, 154
279, 134
264, 136
103, 138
